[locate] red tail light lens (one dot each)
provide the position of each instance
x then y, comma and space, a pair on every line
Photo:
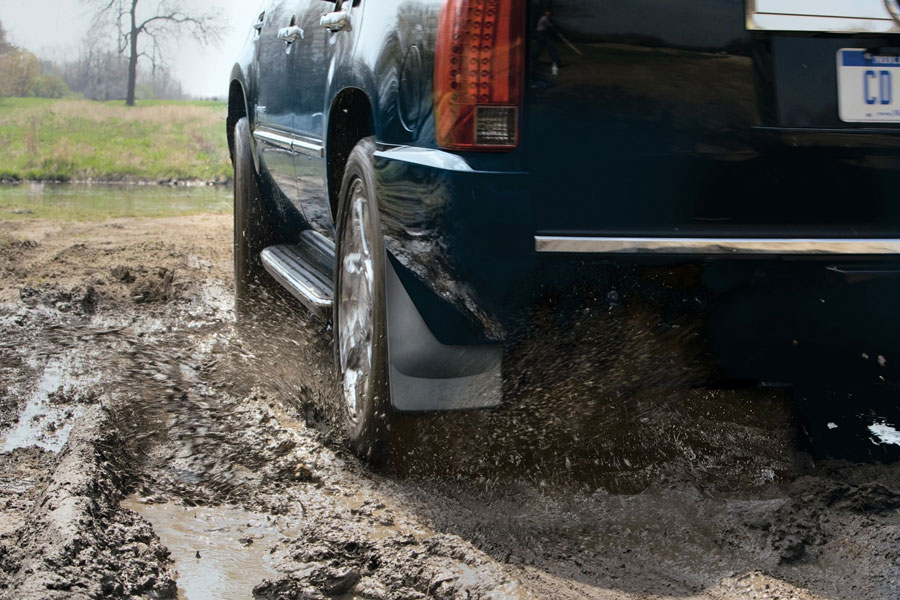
479, 74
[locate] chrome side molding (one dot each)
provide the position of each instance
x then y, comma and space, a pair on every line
307, 146
272, 138
716, 246
831, 16
288, 142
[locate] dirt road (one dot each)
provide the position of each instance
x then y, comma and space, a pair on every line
151, 445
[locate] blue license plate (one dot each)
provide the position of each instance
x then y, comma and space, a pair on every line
868, 86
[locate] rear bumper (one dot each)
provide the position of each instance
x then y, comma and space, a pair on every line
466, 249
717, 246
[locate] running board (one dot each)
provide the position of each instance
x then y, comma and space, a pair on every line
305, 269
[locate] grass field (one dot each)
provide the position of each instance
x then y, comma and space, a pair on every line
81, 140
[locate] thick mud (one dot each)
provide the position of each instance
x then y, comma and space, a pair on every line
154, 447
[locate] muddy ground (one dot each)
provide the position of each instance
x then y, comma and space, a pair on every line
153, 448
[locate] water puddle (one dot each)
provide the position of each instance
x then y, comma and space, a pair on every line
219, 552
41, 423
97, 202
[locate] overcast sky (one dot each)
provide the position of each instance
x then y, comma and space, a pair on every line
53, 29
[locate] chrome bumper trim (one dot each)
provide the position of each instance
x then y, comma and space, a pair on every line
832, 16
714, 246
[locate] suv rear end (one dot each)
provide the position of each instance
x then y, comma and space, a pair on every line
746, 150
727, 170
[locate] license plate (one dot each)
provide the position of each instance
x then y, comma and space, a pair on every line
868, 86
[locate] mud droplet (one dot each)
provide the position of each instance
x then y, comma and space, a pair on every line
885, 433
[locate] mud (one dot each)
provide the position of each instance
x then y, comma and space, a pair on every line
219, 552
154, 447
76, 541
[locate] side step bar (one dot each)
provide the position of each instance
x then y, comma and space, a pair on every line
306, 270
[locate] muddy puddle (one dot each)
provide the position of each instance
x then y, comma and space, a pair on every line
45, 421
219, 552
84, 201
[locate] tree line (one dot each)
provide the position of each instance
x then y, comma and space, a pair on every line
95, 72
131, 68
21, 73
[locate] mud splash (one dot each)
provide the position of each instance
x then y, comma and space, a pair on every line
885, 433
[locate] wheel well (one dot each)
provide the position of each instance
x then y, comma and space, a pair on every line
237, 109
350, 120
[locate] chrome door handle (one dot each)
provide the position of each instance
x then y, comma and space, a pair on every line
290, 34
336, 21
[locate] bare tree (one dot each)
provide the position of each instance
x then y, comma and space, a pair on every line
97, 72
134, 26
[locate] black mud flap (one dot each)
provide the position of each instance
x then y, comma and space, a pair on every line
426, 375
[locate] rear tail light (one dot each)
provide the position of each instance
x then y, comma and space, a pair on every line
479, 74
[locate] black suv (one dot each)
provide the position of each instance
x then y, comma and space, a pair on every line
423, 171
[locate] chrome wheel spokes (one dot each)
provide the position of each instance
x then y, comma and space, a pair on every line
356, 327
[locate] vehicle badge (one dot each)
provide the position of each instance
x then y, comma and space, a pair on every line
893, 7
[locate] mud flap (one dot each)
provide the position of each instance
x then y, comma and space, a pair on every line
426, 375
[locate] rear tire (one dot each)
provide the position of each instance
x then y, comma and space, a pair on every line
360, 311
252, 232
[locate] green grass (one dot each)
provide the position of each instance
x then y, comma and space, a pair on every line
98, 202
79, 140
